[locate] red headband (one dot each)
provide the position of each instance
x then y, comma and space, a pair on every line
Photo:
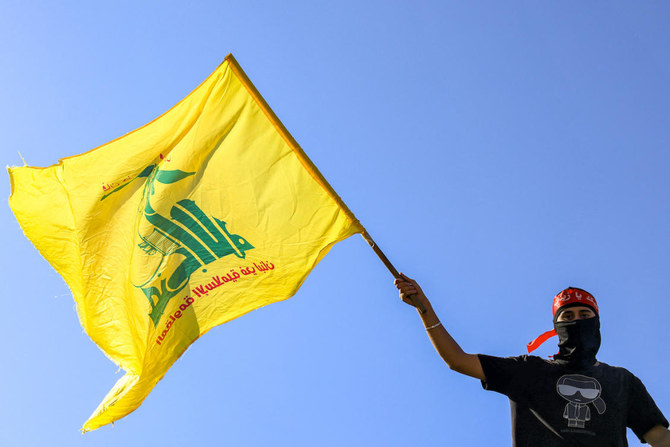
571, 295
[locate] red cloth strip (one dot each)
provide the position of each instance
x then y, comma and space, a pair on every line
533, 345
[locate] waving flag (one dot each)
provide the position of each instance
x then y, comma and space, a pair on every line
202, 215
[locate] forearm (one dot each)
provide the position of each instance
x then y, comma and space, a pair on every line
444, 344
450, 351
658, 436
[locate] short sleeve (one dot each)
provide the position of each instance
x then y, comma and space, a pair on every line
499, 372
643, 414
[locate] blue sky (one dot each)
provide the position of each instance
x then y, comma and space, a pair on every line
497, 151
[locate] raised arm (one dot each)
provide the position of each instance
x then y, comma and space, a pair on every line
444, 344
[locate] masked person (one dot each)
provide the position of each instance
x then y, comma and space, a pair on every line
572, 400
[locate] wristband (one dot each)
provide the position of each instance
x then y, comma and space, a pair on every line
439, 323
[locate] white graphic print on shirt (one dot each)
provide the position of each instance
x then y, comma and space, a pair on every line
580, 391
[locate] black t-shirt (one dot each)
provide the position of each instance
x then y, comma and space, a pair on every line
554, 405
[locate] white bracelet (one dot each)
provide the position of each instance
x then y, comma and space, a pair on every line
439, 323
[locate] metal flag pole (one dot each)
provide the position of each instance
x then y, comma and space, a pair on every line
416, 303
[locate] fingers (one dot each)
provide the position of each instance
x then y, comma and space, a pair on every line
405, 277
406, 282
409, 290
406, 294
406, 288
413, 282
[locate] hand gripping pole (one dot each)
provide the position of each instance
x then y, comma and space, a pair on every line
418, 304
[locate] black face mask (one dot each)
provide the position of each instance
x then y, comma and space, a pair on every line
578, 341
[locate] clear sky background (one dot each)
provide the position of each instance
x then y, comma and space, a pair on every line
497, 151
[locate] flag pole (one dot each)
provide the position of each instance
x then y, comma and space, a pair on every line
416, 303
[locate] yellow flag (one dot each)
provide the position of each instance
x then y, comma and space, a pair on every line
202, 215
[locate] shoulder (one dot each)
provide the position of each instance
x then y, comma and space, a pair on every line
533, 360
618, 369
615, 371
519, 361
514, 375
619, 377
